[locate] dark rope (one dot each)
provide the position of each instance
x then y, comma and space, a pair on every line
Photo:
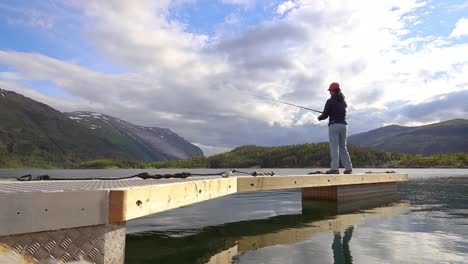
229, 172
379, 172
182, 175
26, 177
261, 173
243, 172
144, 176
29, 177
316, 172
257, 173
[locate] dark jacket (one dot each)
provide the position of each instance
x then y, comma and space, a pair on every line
335, 108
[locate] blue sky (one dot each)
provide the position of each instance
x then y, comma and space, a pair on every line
51, 32
205, 16
189, 65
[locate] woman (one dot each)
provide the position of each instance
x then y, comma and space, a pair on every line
335, 108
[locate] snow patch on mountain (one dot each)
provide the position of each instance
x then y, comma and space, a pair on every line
161, 140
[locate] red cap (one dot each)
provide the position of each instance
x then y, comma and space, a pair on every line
334, 86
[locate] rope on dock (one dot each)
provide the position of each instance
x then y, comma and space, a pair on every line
145, 176
181, 175
316, 172
379, 172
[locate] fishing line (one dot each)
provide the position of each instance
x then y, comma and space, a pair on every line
278, 101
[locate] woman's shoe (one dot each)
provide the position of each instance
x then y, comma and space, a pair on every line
332, 172
348, 171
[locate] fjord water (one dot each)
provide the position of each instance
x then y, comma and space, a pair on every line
426, 223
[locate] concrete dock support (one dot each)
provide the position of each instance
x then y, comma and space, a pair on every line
103, 244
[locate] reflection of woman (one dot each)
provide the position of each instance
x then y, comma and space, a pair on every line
341, 252
335, 108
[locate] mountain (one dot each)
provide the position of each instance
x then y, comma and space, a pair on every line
148, 143
33, 134
36, 134
444, 137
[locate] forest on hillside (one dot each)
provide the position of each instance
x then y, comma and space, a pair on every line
294, 156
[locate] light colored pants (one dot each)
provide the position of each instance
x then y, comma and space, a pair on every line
337, 136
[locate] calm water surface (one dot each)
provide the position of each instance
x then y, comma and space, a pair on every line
426, 223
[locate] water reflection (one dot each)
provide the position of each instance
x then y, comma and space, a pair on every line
219, 244
341, 252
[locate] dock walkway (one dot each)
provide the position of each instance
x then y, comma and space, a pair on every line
45, 206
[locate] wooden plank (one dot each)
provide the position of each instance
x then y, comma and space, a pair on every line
27, 212
261, 183
126, 204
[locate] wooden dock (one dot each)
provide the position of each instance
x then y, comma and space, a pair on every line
42, 207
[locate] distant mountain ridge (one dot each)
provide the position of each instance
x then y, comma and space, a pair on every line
443, 137
33, 134
151, 143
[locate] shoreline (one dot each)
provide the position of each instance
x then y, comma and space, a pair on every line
227, 168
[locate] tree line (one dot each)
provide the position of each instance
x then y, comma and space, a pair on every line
293, 156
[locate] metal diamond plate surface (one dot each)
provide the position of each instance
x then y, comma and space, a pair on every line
103, 244
88, 185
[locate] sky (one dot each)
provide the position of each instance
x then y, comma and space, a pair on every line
193, 65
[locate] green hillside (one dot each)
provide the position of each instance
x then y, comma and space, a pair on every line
143, 143
444, 137
132, 147
295, 156
33, 134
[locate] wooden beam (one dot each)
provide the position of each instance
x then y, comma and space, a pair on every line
130, 203
262, 183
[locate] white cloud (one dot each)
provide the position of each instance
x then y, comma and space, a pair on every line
308, 118
436, 246
34, 19
232, 19
44, 15
198, 85
211, 150
54, 101
461, 28
285, 7
10, 76
139, 35
458, 6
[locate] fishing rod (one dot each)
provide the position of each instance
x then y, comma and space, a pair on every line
278, 101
